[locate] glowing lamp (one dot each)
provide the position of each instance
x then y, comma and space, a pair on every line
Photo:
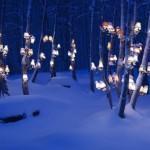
131, 84
1, 46
101, 85
26, 35
105, 25
109, 46
131, 59
33, 63
93, 67
30, 52
42, 56
110, 28
50, 38
75, 51
115, 77
32, 39
69, 53
142, 69
25, 77
148, 68
7, 70
55, 52
1, 70
6, 48
38, 65
22, 51
100, 65
51, 63
144, 90
110, 78
58, 46
112, 59
73, 41
70, 67
137, 28
45, 38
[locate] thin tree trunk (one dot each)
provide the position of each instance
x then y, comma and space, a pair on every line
25, 63
3, 75
121, 52
92, 84
74, 76
124, 90
123, 95
108, 91
36, 70
53, 67
25, 59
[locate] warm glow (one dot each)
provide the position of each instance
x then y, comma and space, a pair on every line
93, 67
100, 65
101, 85
25, 77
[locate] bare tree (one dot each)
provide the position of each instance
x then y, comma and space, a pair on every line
92, 85
72, 54
142, 69
40, 56
4, 69
26, 52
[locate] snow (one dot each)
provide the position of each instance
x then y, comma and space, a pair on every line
70, 118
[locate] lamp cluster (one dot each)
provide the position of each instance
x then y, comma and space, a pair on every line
27, 51
37, 65
4, 69
72, 54
133, 57
55, 48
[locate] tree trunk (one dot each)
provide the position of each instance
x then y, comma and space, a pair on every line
124, 90
92, 84
123, 95
25, 65
34, 76
25, 59
121, 52
108, 92
36, 70
74, 76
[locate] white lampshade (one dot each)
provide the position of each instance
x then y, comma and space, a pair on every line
50, 38
25, 77
93, 67
26, 35
100, 65
32, 39
51, 63
58, 46
7, 70
42, 56
45, 38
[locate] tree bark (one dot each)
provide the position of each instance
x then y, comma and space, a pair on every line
92, 84
121, 52
124, 90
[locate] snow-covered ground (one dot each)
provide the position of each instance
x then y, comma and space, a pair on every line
71, 118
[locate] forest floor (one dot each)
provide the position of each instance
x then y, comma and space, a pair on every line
71, 117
